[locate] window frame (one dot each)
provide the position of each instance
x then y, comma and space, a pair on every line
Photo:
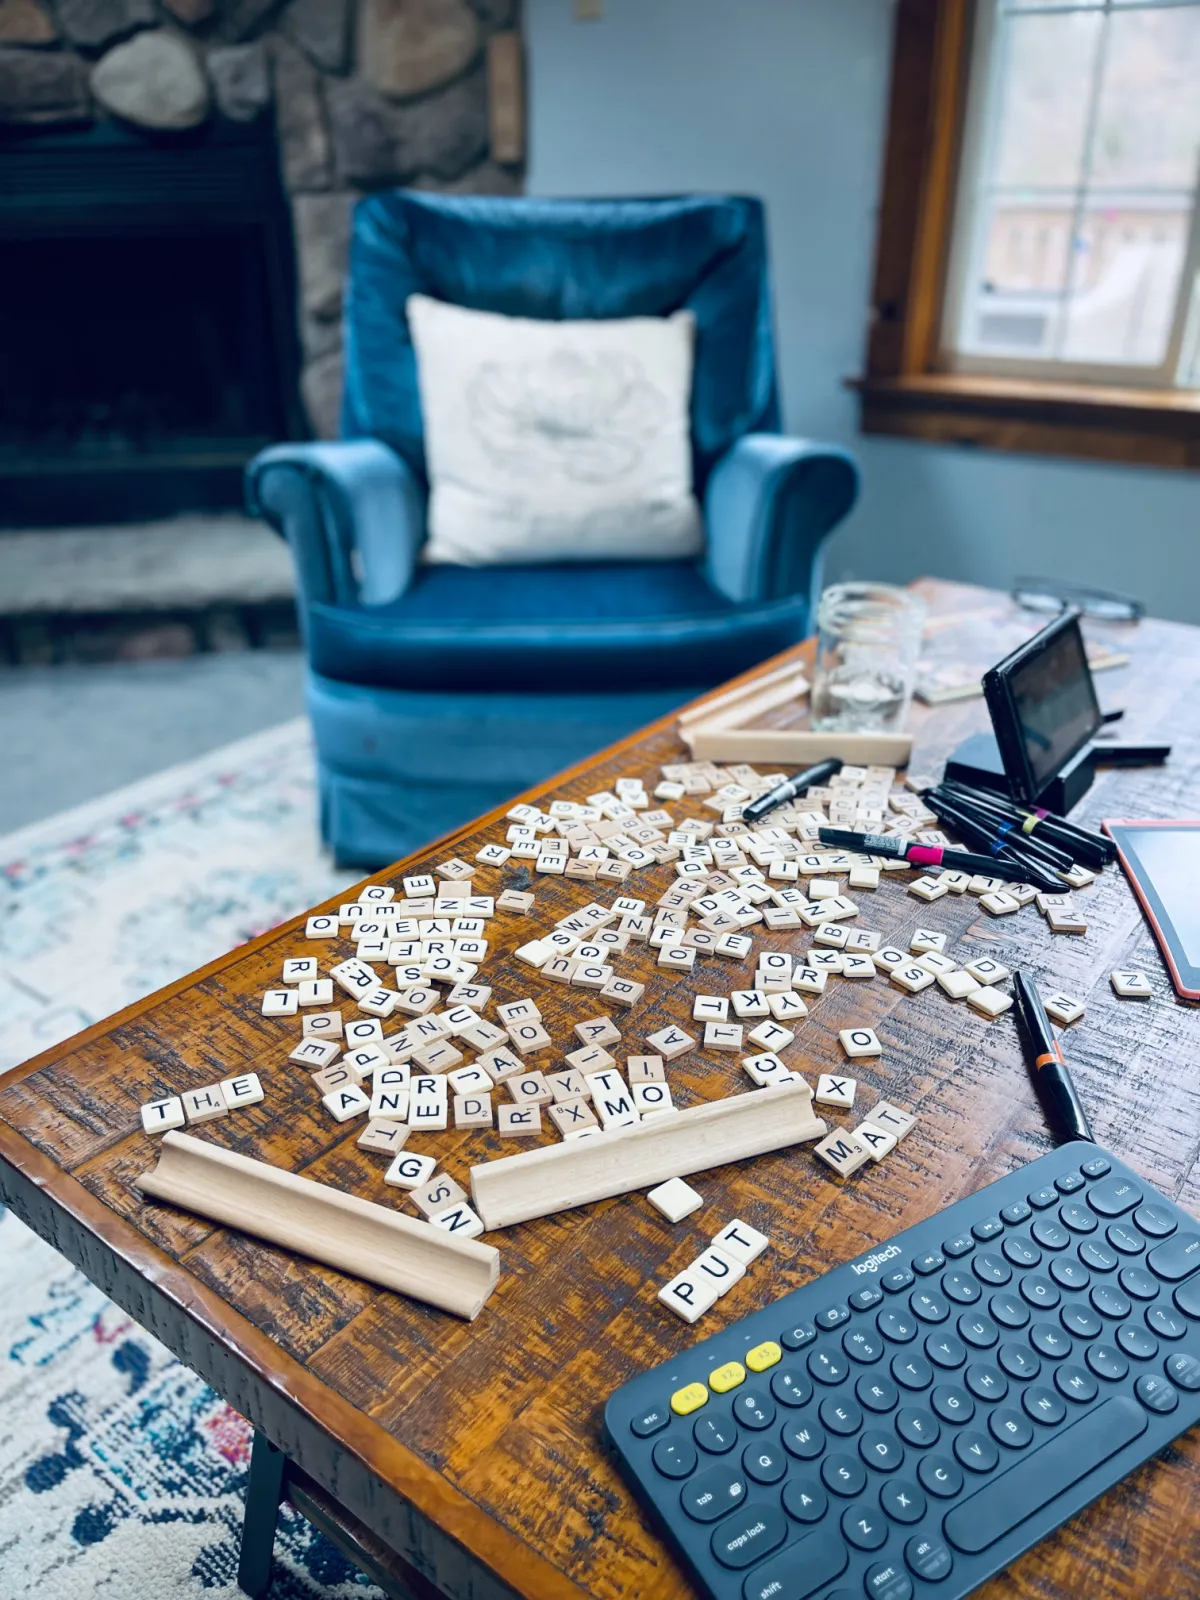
910, 388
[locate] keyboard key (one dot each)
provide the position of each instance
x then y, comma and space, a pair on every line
1128, 1241
1080, 1320
715, 1435
790, 1387
951, 1403
1050, 1234
832, 1316
1183, 1370
928, 1306
864, 1527
1069, 1273
1040, 1292
929, 1558
991, 1269
1020, 1251
1069, 1183
897, 1326
1077, 1217
940, 1476
723, 1378
985, 1381
944, 1350
1019, 1361
888, 1581
754, 1408
800, 1570
1187, 1298
796, 1337
912, 1372
876, 1393
803, 1439
1050, 1341
1109, 1301
1016, 1213
976, 1451
1137, 1283
1137, 1342
958, 1286
843, 1475
1004, 1503
754, 1532
880, 1450
1041, 1198
763, 1356
864, 1299
980, 1332
930, 1261
764, 1461
893, 1282
1105, 1362
1097, 1256
690, 1398
840, 1415
1073, 1383
902, 1500
989, 1228
1176, 1259
1009, 1427
1155, 1393
1156, 1221
961, 1245
827, 1366
713, 1494
1114, 1198
652, 1421
1043, 1405
917, 1427
674, 1458
804, 1499
862, 1345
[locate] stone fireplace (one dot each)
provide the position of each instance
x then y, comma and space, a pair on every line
176, 184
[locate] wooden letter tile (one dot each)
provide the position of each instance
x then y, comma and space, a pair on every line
518, 1122
675, 1199
159, 1116
860, 1042
204, 1105
843, 1152
572, 1116
383, 1135
243, 1090
834, 1090
410, 1171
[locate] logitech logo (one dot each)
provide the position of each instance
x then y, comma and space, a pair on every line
875, 1260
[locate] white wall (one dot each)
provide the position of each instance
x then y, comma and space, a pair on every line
787, 99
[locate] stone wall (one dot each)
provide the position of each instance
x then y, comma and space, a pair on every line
366, 94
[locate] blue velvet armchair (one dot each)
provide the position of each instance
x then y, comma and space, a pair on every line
438, 691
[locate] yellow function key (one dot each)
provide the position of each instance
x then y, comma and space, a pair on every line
690, 1398
722, 1379
763, 1356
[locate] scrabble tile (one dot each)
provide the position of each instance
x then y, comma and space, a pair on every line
675, 1199
415, 1002
301, 968
839, 909
831, 935
439, 1056
863, 878
455, 870
749, 1003
957, 984
809, 980
1000, 904
736, 946
483, 1036
863, 941
590, 1059
314, 992
825, 960
500, 1064
1078, 876
710, 1008
935, 963
1064, 1008
766, 1068
670, 1042
516, 901
1065, 919
843, 1152
159, 1116
472, 1111
429, 1116
322, 927
493, 855
314, 1052
723, 1036
533, 954
981, 884
835, 1090
242, 1090
597, 1031
860, 1042
771, 1036
955, 882
1131, 985
470, 1080
436, 1194
912, 978
822, 889
529, 1089
891, 1119
987, 971
410, 1171
529, 1038
612, 1099
378, 1002
346, 1102
889, 957
1045, 901
990, 1002
926, 939
740, 1242
460, 1220
592, 975
389, 1102
924, 889
787, 1007
1023, 893
525, 1010
651, 1097
204, 1105
879, 1142
688, 1295
572, 1116
279, 1003
645, 1069
384, 1135
622, 991
518, 1122
323, 1024
857, 966
677, 958
723, 1271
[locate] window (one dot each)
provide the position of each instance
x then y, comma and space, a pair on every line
1038, 270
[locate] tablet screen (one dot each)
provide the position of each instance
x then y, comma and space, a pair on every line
1055, 704
1164, 861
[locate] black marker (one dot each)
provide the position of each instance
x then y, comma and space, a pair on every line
1048, 1067
788, 790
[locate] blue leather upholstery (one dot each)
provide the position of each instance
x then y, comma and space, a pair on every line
438, 691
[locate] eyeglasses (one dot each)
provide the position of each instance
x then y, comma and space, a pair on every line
1050, 596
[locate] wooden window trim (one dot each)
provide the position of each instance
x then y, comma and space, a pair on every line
903, 392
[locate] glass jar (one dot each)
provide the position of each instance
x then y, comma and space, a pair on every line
868, 640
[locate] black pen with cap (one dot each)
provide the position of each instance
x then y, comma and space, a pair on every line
755, 810
1048, 1066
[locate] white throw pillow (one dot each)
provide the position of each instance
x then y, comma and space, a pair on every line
555, 441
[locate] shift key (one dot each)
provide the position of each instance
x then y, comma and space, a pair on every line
800, 1570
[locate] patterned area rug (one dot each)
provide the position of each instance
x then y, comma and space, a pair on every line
121, 1473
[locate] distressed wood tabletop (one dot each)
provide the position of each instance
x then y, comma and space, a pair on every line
474, 1451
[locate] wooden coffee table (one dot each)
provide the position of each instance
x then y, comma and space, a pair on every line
467, 1459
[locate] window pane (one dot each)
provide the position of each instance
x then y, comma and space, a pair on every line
1148, 123
1024, 263
1046, 65
1128, 260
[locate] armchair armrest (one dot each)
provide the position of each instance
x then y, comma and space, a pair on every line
771, 502
352, 511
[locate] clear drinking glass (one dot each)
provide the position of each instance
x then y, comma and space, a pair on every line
868, 640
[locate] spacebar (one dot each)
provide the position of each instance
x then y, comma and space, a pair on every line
1041, 1474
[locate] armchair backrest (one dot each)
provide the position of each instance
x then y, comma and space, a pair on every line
560, 259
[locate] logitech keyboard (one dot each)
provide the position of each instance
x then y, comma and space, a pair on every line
914, 1420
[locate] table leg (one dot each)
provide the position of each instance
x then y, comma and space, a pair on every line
263, 1494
